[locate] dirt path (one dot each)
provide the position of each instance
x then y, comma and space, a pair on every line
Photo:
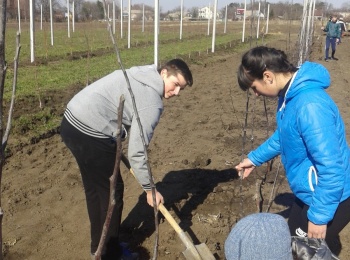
200, 131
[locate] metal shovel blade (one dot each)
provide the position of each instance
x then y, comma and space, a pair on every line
192, 252
202, 250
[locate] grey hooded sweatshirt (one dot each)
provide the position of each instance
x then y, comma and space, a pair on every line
96, 106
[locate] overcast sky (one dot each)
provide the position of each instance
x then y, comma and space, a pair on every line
171, 4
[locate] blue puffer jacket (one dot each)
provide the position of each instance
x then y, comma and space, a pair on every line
310, 138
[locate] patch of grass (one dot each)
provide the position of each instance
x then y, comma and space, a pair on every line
36, 124
89, 55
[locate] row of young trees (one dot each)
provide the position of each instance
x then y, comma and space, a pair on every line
86, 10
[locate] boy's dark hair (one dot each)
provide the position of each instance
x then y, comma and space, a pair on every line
176, 66
259, 59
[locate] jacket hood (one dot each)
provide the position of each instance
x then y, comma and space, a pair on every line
304, 80
146, 76
310, 75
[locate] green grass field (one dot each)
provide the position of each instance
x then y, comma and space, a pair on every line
89, 54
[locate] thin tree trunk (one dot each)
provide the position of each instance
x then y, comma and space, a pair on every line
3, 67
2, 83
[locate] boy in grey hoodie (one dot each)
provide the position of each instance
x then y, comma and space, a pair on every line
89, 129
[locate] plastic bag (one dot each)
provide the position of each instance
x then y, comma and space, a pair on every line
304, 248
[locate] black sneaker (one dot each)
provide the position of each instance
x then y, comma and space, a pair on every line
126, 253
334, 58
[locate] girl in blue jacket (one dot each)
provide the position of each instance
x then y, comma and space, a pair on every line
310, 138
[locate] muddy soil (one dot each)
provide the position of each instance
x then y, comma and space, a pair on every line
195, 146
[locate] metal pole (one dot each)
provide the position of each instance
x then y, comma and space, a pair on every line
41, 17
113, 17
19, 16
51, 22
182, 9
143, 18
214, 27
209, 20
244, 15
121, 19
129, 24
73, 16
257, 30
31, 25
68, 18
268, 17
156, 31
225, 19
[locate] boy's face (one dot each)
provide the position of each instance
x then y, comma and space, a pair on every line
172, 84
334, 19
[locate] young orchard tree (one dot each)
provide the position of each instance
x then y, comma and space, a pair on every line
3, 66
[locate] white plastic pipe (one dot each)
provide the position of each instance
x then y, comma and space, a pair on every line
214, 27
258, 27
51, 22
244, 16
129, 24
156, 31
181, 18
68, 24
121, 19
19, 16
31, 29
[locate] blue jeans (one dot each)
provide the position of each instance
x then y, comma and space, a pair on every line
330, 41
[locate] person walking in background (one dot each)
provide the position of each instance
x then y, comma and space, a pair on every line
310, 138
89, 129
342, 28
332, 38
263, 236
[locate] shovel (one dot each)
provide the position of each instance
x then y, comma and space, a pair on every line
192, 252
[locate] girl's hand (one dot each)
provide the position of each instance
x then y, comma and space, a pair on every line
245, 168
316, 231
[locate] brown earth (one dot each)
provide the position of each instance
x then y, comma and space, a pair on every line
195, 146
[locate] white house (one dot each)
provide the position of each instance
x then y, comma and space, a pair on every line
206, 13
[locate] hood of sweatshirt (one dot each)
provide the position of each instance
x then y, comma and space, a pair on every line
146, 76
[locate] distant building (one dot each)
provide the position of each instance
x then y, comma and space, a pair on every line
206, 13
136, 15
318, 14
248, 14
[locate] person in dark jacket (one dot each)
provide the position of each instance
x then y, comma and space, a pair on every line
310, 138
89, 129
332, 38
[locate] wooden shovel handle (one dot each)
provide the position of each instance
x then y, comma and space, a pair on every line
184, 238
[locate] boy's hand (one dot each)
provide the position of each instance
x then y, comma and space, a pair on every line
159, 198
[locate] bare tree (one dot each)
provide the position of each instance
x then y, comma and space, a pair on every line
56, 6
194, 12
3, 67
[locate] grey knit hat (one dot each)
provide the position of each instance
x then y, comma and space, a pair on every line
262, 236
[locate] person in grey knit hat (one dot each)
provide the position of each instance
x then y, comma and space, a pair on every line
263, 236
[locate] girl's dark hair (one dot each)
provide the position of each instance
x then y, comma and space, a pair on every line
258, 60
